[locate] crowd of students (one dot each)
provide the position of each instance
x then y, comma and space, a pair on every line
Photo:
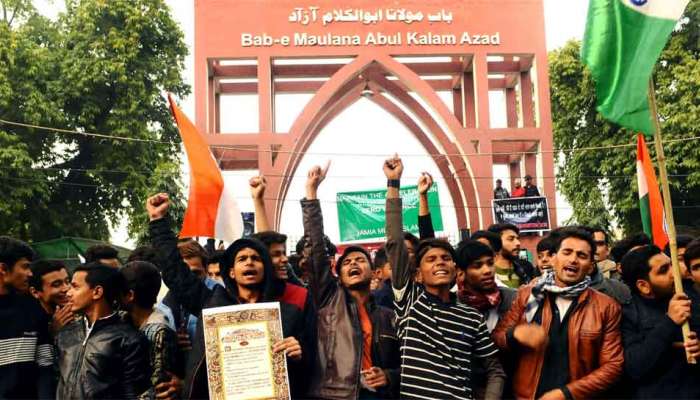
420, 319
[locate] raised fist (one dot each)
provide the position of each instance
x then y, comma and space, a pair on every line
425, 182
393, 167
157, 206
316, 175
257, 186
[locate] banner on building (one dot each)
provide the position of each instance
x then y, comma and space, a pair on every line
361, 215
529, 214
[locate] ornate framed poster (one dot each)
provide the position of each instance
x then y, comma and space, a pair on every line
238, 343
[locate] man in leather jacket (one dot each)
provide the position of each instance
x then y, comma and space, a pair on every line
99, 355
358, 352
564, 335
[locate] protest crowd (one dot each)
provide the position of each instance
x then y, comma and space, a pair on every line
420, 319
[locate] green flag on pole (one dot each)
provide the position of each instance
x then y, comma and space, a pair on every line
623, 41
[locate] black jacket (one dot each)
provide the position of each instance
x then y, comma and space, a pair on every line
525, 270
336, 371
653, 367
108, 362
193, 295
613, 288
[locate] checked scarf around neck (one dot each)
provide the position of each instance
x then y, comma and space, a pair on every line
479, 300
544, 284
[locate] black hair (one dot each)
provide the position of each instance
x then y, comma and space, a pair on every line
692, 252
144, 279
635, 265
547, 243
471, 250
411, 238
494, 239
622, 247
271, 288
331, 250
144, 253
426, 244
682, 242
13, 250
500, 228
100, 252
41, 268
593, 230
270, 237
217, 257
110, 279
380, 259
352, 249
577, 233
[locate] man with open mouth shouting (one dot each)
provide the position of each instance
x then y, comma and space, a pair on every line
357, 352
563, 335
248, 276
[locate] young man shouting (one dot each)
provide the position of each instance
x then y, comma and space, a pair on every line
563, 335
357, 353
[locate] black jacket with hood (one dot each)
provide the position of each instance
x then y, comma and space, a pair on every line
194, 295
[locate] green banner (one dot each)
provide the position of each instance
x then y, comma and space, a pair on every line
361, 215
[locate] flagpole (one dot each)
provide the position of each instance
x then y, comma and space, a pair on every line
668, 208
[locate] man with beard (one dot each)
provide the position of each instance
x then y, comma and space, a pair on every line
655, 358
248, 276
26, 353
49, 284
564, 336
511, 270
440, 337
358, 351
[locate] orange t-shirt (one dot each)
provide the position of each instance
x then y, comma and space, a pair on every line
366, 325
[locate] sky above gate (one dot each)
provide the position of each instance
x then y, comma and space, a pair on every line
363, 134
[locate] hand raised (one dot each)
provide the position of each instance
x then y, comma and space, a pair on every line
157, 206
314, 178
393, 167
425, 182
258, 184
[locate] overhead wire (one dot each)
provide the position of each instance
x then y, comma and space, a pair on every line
339, 154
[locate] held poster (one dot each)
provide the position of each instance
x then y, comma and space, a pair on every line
240, 362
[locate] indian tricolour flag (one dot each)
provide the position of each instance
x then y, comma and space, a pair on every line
623, 40
212, 210
650, 205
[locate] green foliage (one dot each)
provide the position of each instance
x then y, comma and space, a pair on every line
576, 124
103, 66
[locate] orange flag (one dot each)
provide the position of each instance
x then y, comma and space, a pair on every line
211, 209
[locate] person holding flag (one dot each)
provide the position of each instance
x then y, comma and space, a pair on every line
622, 43
246, 268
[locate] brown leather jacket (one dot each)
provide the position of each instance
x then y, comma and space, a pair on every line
335, 373
595, 346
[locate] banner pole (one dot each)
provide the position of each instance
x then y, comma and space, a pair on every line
668, 207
